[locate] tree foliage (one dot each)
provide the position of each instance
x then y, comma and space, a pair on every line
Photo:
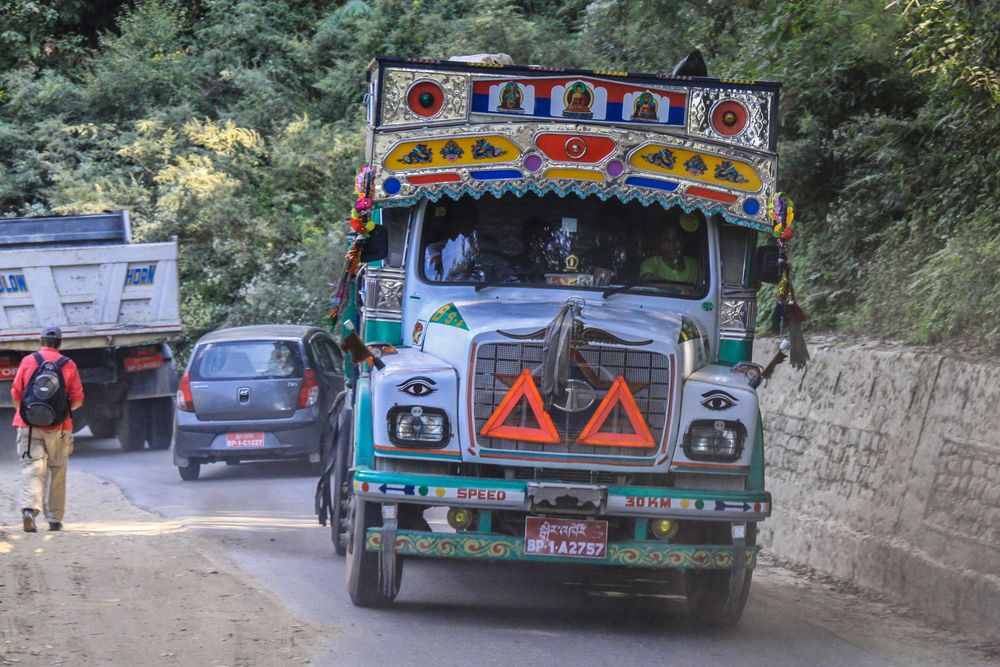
236, 125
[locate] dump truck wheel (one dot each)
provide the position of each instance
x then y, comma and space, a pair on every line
103, 428
132, 425
160, 426
362, 565
8, 434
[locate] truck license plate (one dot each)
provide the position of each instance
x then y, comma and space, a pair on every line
569, 538
244, 440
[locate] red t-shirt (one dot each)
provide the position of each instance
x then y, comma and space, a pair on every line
74, 388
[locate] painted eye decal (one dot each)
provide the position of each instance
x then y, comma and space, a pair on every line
418, 387
717, 399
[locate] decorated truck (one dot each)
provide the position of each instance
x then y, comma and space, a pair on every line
554, 282
117, 304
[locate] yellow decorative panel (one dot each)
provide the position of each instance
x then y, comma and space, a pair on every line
451, 152
700, 166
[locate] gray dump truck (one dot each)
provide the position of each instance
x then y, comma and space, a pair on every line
117, 304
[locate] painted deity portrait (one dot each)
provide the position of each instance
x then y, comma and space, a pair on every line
578, 99
511, 98
645, 107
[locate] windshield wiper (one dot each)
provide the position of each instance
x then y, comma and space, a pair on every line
491, 283
628, 284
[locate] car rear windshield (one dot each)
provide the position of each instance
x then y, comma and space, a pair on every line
247, 360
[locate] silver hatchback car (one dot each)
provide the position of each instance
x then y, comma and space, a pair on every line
256, 392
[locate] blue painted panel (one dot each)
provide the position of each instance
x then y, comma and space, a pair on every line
495, 174
654, 183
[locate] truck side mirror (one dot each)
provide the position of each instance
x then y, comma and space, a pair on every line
768, 264
376, 246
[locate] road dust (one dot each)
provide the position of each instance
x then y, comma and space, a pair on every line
121, 586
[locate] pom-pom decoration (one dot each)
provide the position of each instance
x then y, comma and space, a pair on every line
361, 213
781, 210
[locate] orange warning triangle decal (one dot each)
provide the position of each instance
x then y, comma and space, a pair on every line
619, 394
523, 387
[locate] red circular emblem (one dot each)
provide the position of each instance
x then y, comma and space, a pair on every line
576, 148
425, 99
729, 118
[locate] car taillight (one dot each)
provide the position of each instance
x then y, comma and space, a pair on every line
185, 402
309, 391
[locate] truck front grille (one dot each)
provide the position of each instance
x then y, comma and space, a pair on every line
648, 374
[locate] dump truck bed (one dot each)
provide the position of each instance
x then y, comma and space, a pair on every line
83, 274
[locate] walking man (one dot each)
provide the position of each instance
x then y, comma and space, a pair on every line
47, 386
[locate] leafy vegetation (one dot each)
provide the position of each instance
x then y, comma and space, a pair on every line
236, 125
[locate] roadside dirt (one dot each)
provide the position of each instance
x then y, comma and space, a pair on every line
121, 586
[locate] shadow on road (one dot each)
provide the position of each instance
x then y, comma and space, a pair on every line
563, 601
88, 447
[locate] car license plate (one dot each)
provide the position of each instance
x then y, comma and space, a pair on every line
244, 440
566, 538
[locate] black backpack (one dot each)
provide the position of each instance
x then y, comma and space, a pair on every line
45, 402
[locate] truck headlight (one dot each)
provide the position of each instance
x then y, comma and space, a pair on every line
416, 426
714, 440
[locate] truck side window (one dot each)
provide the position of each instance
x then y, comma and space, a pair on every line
396, 221
735, 248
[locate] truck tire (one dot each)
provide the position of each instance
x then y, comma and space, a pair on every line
362, 565
103, 428
191, 471
160, 427
341, 495
132, 425
8, 434
709, 598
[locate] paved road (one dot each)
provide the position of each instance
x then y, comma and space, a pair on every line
455, 613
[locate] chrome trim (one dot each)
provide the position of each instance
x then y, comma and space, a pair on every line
384, 294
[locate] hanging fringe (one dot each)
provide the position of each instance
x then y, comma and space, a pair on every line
352, 264
788, 316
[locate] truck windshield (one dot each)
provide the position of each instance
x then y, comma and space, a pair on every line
550, 241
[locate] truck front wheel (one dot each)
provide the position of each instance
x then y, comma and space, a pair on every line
160, 426
711, 597
132, 425
340, 493
363, 565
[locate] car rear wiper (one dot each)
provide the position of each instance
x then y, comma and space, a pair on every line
628, 284
492, 283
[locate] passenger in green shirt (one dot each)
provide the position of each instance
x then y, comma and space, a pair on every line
671, 264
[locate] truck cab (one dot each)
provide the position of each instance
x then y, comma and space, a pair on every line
563, 316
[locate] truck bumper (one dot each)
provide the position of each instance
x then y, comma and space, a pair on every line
527, 496
646, 554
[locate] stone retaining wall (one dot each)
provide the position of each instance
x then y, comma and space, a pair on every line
884, 464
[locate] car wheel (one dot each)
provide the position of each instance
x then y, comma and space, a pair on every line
191, 471
103, 428
132, 425
340, 497
363, 565
160, 426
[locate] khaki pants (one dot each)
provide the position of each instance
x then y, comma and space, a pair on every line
43, 464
